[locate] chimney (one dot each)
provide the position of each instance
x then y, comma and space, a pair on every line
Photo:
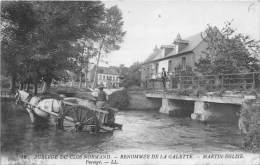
179, 43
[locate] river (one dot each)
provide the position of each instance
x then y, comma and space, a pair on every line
142, 131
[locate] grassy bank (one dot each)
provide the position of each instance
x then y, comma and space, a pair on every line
249, 122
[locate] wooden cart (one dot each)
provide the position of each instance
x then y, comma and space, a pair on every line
80, 117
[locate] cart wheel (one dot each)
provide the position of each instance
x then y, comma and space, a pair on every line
84, 119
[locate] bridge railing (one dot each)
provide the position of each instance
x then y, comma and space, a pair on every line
236, 81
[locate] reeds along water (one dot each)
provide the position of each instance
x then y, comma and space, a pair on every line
249, 124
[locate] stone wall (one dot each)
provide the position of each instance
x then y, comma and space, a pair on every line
138, 101
177, 108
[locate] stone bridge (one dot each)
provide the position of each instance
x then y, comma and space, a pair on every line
217, 92
203, 107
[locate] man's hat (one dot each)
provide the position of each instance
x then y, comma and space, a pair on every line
100, 86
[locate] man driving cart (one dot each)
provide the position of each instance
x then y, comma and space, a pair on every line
101, 102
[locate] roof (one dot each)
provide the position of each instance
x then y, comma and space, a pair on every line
157, 54
108, 70
193, 42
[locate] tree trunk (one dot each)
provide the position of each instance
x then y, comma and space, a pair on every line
12, 83
86, 80
80, 80
35, 88
95, 74
28, 85
86, 73
21, 85
46, 85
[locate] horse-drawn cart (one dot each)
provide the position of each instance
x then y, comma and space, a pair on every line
86, 116
71, 114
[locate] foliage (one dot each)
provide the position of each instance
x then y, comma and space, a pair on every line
18, 23
228, 52
249, 117
135, 88
199, 91
133, 76
61, 24
184, 72
119, 99
43, 39
110, 34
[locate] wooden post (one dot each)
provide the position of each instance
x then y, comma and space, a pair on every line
198, 82
222, 81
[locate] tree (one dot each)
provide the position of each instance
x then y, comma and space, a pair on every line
18, 23
38, 42
63, 23
38, 36
86, 50
133, 76
228, 52
110, 34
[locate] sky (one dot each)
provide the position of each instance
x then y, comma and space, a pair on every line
150, 23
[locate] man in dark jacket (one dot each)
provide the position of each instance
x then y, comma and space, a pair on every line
101, 98
164, 77
101, 103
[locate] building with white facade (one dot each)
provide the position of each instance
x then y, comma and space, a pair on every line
108, 77
176, 56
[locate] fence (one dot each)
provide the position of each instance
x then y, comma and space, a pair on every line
236, 81
70, 84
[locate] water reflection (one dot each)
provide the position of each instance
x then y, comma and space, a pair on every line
142, 131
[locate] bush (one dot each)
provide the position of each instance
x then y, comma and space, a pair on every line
119, 99
249, 117
199, 91
135, 88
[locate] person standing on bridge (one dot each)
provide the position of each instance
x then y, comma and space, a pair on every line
164, 78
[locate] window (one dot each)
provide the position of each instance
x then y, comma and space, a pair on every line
104, 77
177, 49
156, 67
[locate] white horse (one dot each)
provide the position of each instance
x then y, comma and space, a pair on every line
49, 105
